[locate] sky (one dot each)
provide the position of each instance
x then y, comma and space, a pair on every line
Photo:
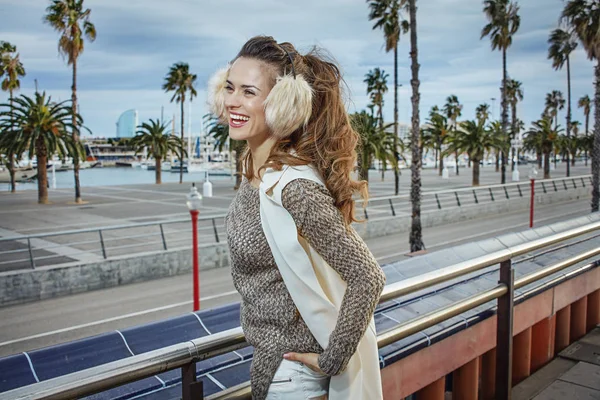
138, 40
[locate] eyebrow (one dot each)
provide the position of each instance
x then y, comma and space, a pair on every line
245, 86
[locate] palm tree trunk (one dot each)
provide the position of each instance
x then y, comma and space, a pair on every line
396, 167
568, 111
456, 158
78, 198
475, 172
539, 159
441, 155
238, 167
504, 115
435, 156
181, 152
596, 147
416, 234
513, 133
42, 173
158, 170
546, 165
11, 156
497, 160
587, 125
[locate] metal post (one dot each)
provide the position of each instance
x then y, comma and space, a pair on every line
544, 187
392, 207
565, 184
574, 184
214, 224
438, 202
555, 188
491, 194
520, 193
102, 243
196, 268
506, 193
191, 389
31, 259
365, 211
504, 334
532, 203
457, 199
475, 196
582, 182
162, 234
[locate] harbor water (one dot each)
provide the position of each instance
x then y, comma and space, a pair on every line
112, 177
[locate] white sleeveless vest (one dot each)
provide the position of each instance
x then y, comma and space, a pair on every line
315, 287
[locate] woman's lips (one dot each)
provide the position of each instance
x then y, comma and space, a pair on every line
238, 120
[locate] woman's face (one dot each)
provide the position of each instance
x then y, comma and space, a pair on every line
248, 86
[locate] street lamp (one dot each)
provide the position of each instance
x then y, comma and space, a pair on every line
517, 144
194, 201
532, 175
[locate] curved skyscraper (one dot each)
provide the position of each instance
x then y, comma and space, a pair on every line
127, 124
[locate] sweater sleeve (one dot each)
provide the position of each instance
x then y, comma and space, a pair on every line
320, 222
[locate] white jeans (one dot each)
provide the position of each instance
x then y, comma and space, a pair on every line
295, 381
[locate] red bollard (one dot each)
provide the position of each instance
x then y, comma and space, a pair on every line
532, 203
196, 272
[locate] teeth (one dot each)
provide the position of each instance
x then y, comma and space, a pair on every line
239, 117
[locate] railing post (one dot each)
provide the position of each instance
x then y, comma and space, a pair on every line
191, 389
392, 207
162, 235
366, 214
506, 193
582, 182
491, 194
565, 184
31, 259
438, 202
102, 244
504, 334
475, 195
457, 199
555, 188
544, 187
214, 224
574, 184
520, 193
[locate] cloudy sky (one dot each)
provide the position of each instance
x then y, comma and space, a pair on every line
138, 40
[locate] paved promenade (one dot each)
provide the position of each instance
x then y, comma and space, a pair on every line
116, 205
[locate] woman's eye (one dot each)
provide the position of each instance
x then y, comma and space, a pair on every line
229, 88
249, 92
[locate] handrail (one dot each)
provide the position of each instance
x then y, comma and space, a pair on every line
133, 368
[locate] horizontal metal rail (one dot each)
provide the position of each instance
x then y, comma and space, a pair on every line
137, 367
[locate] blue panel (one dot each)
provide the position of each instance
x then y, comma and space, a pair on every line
67, 358
217, 362
383, 323
391, 275
129, 390
246, 352
15, 372
222, 318
233, 375
174, 392
164, 333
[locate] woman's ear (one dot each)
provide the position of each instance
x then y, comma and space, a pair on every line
288, 106
216, 92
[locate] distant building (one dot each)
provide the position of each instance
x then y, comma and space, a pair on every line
127, 124
403, 130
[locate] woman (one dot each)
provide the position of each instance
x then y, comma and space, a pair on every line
309, 284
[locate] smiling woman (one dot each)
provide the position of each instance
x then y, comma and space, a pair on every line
309, 284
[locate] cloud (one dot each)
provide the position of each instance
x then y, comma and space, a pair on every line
138, 40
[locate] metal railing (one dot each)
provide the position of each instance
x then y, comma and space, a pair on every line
185, 355
111, 241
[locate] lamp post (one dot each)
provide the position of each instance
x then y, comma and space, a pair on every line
517, 144
532, 175
194, 201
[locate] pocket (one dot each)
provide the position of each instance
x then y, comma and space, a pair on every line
309, 371
280, 381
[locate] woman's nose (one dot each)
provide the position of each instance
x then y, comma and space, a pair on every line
231, 100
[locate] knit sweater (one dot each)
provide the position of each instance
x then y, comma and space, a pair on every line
270, 320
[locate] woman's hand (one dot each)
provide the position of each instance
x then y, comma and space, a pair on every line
311, 360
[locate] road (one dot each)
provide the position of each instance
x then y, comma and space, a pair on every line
34, 325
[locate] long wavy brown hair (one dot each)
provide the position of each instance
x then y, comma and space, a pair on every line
328, 141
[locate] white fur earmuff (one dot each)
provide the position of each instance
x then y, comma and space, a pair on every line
289, 105
216, 92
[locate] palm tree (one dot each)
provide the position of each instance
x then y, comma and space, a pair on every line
583, 16
180, 81
72, 22
12, 68
154, 136
504, 21
482, 112
562, 43
367, 126
514, 93
574, 143
453, 110
386, 14
545, 136
438, 128
585, 103
40, 126
220, 132
473, 138
376, 81
554, 103
416, 233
